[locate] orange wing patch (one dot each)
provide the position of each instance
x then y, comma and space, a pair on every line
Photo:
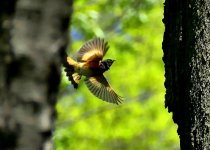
93, 55
93, 50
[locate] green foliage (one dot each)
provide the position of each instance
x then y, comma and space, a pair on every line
134, 31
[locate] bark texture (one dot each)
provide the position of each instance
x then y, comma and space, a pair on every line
33, 34
186, 47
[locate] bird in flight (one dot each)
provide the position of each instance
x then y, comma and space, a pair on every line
88, 62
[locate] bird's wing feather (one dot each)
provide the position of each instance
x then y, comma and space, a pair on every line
99, 86
93, 50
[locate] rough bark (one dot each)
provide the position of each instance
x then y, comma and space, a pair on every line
186, 47
33, 34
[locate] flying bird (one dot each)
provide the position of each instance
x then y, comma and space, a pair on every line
88, 62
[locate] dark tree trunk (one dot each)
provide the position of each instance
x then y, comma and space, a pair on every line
186, 47
33, 33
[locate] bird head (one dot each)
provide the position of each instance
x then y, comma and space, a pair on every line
106, 64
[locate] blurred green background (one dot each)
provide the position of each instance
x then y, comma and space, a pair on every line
134, 30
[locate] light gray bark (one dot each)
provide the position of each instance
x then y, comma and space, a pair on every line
35, 33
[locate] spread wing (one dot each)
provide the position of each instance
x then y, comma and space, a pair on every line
93, 50
99, 86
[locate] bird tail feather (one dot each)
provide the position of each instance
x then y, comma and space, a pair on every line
76, 77
70, 65
72, 62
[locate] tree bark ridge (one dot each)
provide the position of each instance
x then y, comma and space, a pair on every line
186, 49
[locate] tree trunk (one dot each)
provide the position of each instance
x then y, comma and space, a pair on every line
186, 48
33, 33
